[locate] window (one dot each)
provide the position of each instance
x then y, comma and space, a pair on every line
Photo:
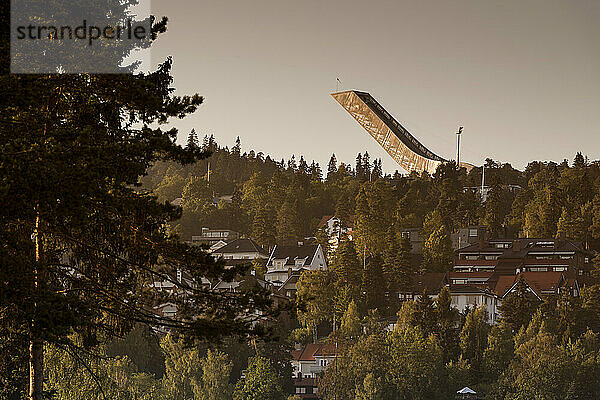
491, 257
473, 232
301, 390
538, 269
560, 269
471, 257
459, 281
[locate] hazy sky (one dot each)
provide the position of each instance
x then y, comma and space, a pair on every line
521, 76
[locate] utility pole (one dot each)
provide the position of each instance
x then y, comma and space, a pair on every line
458, 146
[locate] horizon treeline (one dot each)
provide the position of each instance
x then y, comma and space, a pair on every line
282, 202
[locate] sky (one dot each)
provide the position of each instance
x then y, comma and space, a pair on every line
522, 77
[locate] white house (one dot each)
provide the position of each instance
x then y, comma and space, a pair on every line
241, 249
466, 297
335, 229
312, 359
285, 260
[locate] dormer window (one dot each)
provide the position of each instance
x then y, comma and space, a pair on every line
299, 262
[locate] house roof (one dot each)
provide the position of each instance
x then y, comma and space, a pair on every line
475, 263
464, 289
291, 281
293, 252
519, 248
326, 350
540, 282
243, 245
308, 352
432, 282
477, 274
325, 219
296, 354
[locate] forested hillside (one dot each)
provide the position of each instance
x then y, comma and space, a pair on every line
283, 201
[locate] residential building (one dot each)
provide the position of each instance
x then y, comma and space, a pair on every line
285, 260
335, 229
312, 359
213, 236
288, 288
241, 249
512, 256
430, 283
306, 388
461, 238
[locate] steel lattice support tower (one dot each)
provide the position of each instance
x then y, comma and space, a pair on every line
404, 148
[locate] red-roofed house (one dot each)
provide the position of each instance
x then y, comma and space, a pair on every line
312, 359
540, 284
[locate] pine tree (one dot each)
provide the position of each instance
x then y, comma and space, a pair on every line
377, 170
447, 318
359, 171
579, 161
331, 168
366, 166
237, 148
288, 223
348, 268
192, 140
82, 243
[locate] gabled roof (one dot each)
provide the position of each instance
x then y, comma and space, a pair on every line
540, 283
468, 289
243, 245
431, 282
293, 252
296, 354
308, 352
326, 350
325, 219
291, 281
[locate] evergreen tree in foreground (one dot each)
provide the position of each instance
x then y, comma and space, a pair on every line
81, 242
